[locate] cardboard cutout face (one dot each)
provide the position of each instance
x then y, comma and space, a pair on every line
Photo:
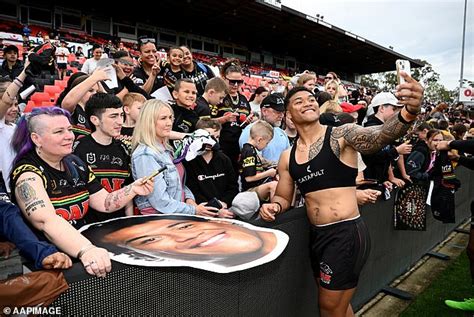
216, 245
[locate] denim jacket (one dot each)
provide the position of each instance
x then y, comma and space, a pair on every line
167, 193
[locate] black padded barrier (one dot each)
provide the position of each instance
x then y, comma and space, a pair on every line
284, 287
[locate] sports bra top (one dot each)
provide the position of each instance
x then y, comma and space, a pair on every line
324, 171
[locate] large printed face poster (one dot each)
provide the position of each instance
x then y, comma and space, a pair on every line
211, 244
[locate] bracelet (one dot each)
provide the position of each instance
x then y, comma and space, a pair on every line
21, 81
281, 208
84, 249
17, 84
411, 112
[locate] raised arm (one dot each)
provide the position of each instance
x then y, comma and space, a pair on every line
10, 95
71, 100
370, 140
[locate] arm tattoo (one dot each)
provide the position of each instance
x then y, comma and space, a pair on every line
370, 140
335, 147
315, 148
27, 194
116, 199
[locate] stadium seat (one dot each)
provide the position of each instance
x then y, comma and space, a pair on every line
52, 90
47, 104
60, 83
71, 58
29, 106
39, 97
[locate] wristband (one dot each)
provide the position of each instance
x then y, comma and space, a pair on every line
281, 208
17, 84
402, 120
84, 249
21, 81
411, 112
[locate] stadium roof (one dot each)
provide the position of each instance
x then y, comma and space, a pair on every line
264, 27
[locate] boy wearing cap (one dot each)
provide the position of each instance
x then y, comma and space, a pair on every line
11, 66
272, 109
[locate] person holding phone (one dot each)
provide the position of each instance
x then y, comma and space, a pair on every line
151, 152
323, 163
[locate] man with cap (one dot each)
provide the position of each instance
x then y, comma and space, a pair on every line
383, 106
272, 109
11, 66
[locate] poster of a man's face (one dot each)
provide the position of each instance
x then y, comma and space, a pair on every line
217, 245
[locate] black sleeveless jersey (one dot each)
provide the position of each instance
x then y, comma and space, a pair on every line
324, 171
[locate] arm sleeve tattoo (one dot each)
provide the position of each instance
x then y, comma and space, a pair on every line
370, 140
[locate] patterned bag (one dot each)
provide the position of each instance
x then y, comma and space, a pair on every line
409, 209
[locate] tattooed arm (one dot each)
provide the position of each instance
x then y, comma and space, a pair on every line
109, 202
34, 202
371, 139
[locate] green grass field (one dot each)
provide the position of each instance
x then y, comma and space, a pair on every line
454, 283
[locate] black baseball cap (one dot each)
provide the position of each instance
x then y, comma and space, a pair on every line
10, 48
275, 101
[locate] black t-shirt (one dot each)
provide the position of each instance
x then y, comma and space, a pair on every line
250, 165
125, 137
140, 77
169, 76
184, 119
204, 109
68, 191
80, 123
200, 75
214, 179
231, 131
110, 164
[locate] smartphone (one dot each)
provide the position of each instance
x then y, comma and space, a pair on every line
152, 175
214, 202
404, 65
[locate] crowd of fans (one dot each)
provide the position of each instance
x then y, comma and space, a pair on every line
88, 158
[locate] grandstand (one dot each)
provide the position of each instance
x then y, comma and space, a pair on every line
259, 31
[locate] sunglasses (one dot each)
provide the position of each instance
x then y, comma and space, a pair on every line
330, 78
125, 62
234, 82
146, 40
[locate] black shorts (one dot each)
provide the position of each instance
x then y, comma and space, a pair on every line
338, 253
62, 65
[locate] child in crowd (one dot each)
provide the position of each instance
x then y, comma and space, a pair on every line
185, 118
211, 175
253, 175
171, 69
132, 103
214, 93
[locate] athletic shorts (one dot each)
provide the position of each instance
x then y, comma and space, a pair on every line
338, 253
62, 65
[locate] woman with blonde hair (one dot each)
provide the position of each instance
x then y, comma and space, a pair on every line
152, 152
330, 106
307, 80
332, 88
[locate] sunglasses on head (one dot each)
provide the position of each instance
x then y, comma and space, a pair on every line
235, 81
147, 40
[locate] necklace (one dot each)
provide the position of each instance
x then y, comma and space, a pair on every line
235, 101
